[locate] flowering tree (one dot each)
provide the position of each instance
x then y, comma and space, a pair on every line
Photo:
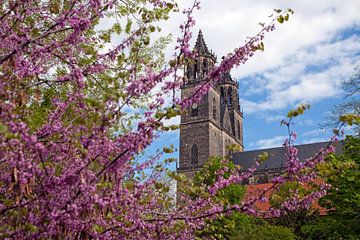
68, 164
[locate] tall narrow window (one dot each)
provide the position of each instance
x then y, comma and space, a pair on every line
239, 129
214, 108
205, 67
194, 155
188, 72
222, 95
196, 69
230, 96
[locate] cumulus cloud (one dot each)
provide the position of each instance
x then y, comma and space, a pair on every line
313, 74
304, 60
315, 140
276, 141
314, 132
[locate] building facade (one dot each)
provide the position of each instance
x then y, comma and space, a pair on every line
208, 127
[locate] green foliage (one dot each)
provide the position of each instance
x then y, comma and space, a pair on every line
233, 148
263, 156
298, 111
283, 15
235, 225
325, 228
169, 149
342, 202
239, 226
286, 191
350, 119
231, 194
349, 110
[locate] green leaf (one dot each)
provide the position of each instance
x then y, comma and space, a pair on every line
263, 156
117, 28
3, 128
280, 19
30, 227
98, 228
146, 40
152, 29
128, 26
168, 149
286, 17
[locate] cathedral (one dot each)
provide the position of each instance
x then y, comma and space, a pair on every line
208, 127
217, 121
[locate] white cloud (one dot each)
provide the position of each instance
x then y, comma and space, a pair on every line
310, 75
314, 132
273, 118
307, 122
315, 140
227, 24
276, 141
304, 60
171, 121
301, 62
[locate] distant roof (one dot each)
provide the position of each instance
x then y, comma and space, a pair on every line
255, 190
276, 158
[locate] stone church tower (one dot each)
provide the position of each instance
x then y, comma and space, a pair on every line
208, 127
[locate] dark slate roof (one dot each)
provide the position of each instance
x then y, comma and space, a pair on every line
276, 158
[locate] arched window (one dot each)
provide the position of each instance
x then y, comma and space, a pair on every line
188, 71
214, 108
239, 129
196, 66
194, 155
205, 67
230, 96
194, 110
222, 97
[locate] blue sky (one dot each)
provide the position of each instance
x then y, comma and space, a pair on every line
305, 61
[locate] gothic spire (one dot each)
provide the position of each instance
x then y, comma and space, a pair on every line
200, 45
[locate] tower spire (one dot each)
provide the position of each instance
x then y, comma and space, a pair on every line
200, 45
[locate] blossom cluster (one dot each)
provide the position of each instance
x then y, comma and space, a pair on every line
68, 153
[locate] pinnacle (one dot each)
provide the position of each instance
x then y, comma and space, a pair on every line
200, 44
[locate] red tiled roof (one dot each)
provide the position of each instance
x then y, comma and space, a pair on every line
255, 190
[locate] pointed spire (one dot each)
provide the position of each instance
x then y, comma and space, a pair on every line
200, 45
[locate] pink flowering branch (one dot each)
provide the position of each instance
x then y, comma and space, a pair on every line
65, 163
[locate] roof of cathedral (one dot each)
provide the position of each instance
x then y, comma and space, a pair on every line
276, 158
201, 47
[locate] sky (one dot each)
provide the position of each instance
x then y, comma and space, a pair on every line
305, 60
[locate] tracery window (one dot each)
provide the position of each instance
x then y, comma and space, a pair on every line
222, 97
214, 109
195, 69
205, 67
230, 96
194, 155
